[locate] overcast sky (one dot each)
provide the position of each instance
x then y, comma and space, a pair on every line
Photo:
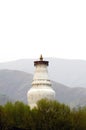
55, 28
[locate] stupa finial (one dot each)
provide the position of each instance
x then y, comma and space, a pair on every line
41, 57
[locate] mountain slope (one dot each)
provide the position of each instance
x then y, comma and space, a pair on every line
4, 99
68, 72
15, 84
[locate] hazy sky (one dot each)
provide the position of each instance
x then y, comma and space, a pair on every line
55, 28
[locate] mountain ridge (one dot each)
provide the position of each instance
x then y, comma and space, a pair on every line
14, 85
71, 73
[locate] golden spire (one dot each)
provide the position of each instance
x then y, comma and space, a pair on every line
41, 58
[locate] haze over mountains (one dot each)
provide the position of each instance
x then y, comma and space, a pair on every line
16, 78
68, 72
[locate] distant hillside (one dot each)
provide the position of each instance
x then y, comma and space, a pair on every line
68, 72
15, 84
4, 99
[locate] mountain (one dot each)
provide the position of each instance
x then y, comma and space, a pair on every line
15, 84
4, 99
71, 73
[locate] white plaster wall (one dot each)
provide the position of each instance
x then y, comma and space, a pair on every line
36, 94
41, 86
41, 72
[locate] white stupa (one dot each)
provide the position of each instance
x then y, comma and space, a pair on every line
41, 85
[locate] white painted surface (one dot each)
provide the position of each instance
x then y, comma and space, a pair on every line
41, 86
36, 94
